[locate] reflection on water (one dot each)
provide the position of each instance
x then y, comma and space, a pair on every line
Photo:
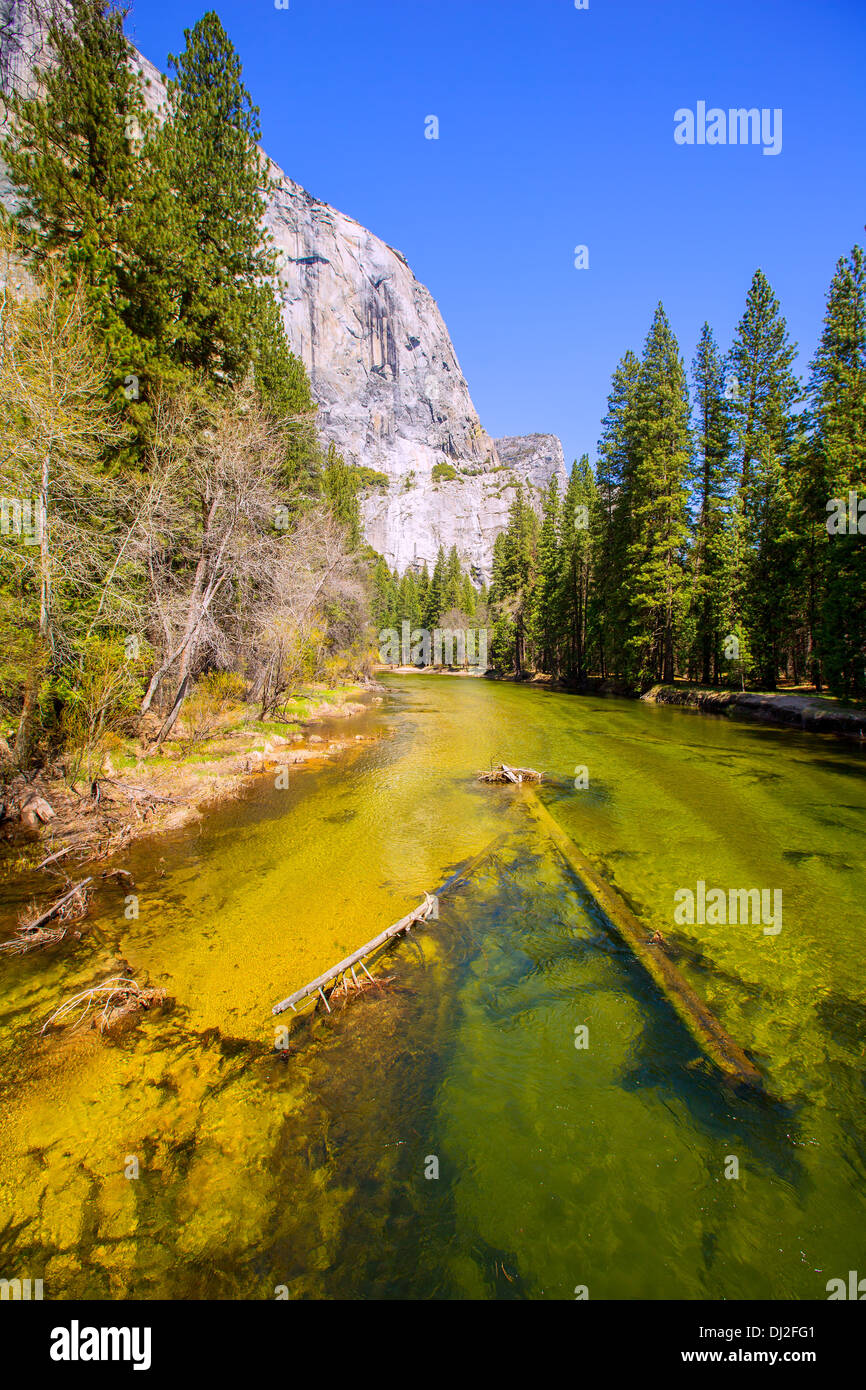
557, 1166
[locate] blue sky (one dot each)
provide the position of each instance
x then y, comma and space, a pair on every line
556, 129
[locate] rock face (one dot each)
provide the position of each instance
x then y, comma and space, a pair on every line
22, 44
386, 378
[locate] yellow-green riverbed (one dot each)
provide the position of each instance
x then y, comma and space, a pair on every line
559, 1166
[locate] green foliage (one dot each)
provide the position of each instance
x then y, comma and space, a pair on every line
444, 472
834, 467
761, 409
85, 193
448, 599
713, 556
157, 301
218, 179
284, 389
340, 485
698, 546
99, 696
204, 711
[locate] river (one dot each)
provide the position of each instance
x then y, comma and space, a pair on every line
444, 1137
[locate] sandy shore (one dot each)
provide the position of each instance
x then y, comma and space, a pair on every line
138, 794
808, 713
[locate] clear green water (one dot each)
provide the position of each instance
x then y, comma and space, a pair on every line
558, 1167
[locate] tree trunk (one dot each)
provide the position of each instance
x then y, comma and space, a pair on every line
24, 733
173, 714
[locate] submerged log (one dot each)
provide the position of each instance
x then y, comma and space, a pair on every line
422, 913
714, 1041
120, 996
418, 914
31, 936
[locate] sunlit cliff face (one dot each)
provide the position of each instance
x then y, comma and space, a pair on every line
384, 372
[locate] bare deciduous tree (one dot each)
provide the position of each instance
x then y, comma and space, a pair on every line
215, 470
55, 426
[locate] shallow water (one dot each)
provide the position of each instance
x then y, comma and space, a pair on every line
557, 1166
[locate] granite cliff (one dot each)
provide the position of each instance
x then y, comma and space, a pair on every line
384, 372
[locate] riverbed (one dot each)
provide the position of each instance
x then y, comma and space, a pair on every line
443, 1136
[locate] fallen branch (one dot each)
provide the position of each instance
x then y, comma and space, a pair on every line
122, 997
135, 793
31, 936
517, 775
33, 941
58, 854
56, 906
418, 914
120, 874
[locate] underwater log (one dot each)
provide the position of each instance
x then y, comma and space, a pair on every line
715, 1042
56, 906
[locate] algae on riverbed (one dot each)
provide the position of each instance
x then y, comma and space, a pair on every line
558, 1166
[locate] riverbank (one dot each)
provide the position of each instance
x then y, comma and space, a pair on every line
807, 713
72, 820
815, 714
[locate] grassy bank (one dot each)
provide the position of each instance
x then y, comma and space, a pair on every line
84, 819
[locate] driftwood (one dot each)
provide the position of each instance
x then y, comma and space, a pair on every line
726, 1055
419, 914
503, 773
121, 998
31, 936
124, 874
57, 906
33, 940
58, 854
134, 792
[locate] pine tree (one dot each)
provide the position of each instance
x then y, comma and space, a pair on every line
513, 584
545, 612
84, 192
581, 520
714, 485
436, 593
468, 598
284, 388
410, 601
764, 394
219, 180
383, 596
340, 488
422, 589
837, 393
654, 571
453, 572
615, 477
